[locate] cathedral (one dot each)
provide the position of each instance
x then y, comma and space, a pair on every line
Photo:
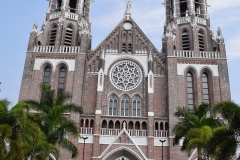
127, 88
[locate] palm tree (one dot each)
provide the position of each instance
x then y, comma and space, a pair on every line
194, 127
225, 140
17, 132
51, 118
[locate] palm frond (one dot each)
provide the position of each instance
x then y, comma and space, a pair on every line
67, 144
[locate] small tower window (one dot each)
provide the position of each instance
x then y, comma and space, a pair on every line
197, 8
68, 37
53, 35
125, 106
84, 7
183, 8
205, 88
58, 5
136, 106
72, 6
61, 81
185, 41
129, 48
190, 90
113, 105
201, 41
124, 47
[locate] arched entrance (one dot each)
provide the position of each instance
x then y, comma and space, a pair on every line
124, 153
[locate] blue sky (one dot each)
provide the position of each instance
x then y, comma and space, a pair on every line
18, 17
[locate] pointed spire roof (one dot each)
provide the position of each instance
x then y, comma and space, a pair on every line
128, 11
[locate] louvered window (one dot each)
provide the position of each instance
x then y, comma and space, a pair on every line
201, 41
61, 81
205, 88
190, 90
68, 37
53, 36
185, 41
129, 48
124, 47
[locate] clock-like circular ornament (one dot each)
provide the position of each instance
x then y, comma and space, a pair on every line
126, 75
127, 26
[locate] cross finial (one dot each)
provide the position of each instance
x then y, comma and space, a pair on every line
128, 9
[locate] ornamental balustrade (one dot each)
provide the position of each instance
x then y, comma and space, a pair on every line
51, 49
184, 53
69, 15
160, 133
86, 131
111, 51
115, 132
141, 52
201, 20
183, 20
213, 55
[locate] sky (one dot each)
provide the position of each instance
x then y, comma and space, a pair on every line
17, 18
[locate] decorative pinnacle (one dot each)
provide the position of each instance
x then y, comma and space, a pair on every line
128, 12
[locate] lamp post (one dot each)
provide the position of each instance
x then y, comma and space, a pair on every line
162, 146
84, 138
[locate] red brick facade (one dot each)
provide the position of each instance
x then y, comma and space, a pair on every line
150, 105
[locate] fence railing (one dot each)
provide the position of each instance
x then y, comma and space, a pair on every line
183, 20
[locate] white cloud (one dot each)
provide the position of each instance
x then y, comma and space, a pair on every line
217, 5
232, 47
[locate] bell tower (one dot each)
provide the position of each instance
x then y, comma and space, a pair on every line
67, 24
196, 60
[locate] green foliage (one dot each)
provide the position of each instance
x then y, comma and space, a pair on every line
52, 120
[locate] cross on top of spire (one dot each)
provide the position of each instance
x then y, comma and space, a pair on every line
128, 10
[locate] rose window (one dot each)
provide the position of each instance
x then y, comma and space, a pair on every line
126, 75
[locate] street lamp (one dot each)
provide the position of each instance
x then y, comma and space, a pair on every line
84, 138
162, 146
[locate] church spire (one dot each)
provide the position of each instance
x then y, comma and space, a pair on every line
128, 12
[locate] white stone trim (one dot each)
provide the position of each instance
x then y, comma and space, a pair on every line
198, 67
100, 80
150, 82
158, 143
98, 112
89, 140
150, 114
141, 59
54, 62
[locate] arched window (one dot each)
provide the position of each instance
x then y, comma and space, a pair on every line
61, 81
201, 41
113, 105
72, 6
197, 8
185, 41
205, 88
136, 106
53, 36
46, 77
124, 47
58, 5
190, 90
125, 106
183, 8
129, 48
46, 80
68, 37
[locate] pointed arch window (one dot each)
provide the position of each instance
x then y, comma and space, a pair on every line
205, 88
113, 105
183, 8
185, 41
197, 8
46, 77
136, 106
53, 36
201, 41
72, 6
68, 37
61, 81
125, 106
58, 5
190, 90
